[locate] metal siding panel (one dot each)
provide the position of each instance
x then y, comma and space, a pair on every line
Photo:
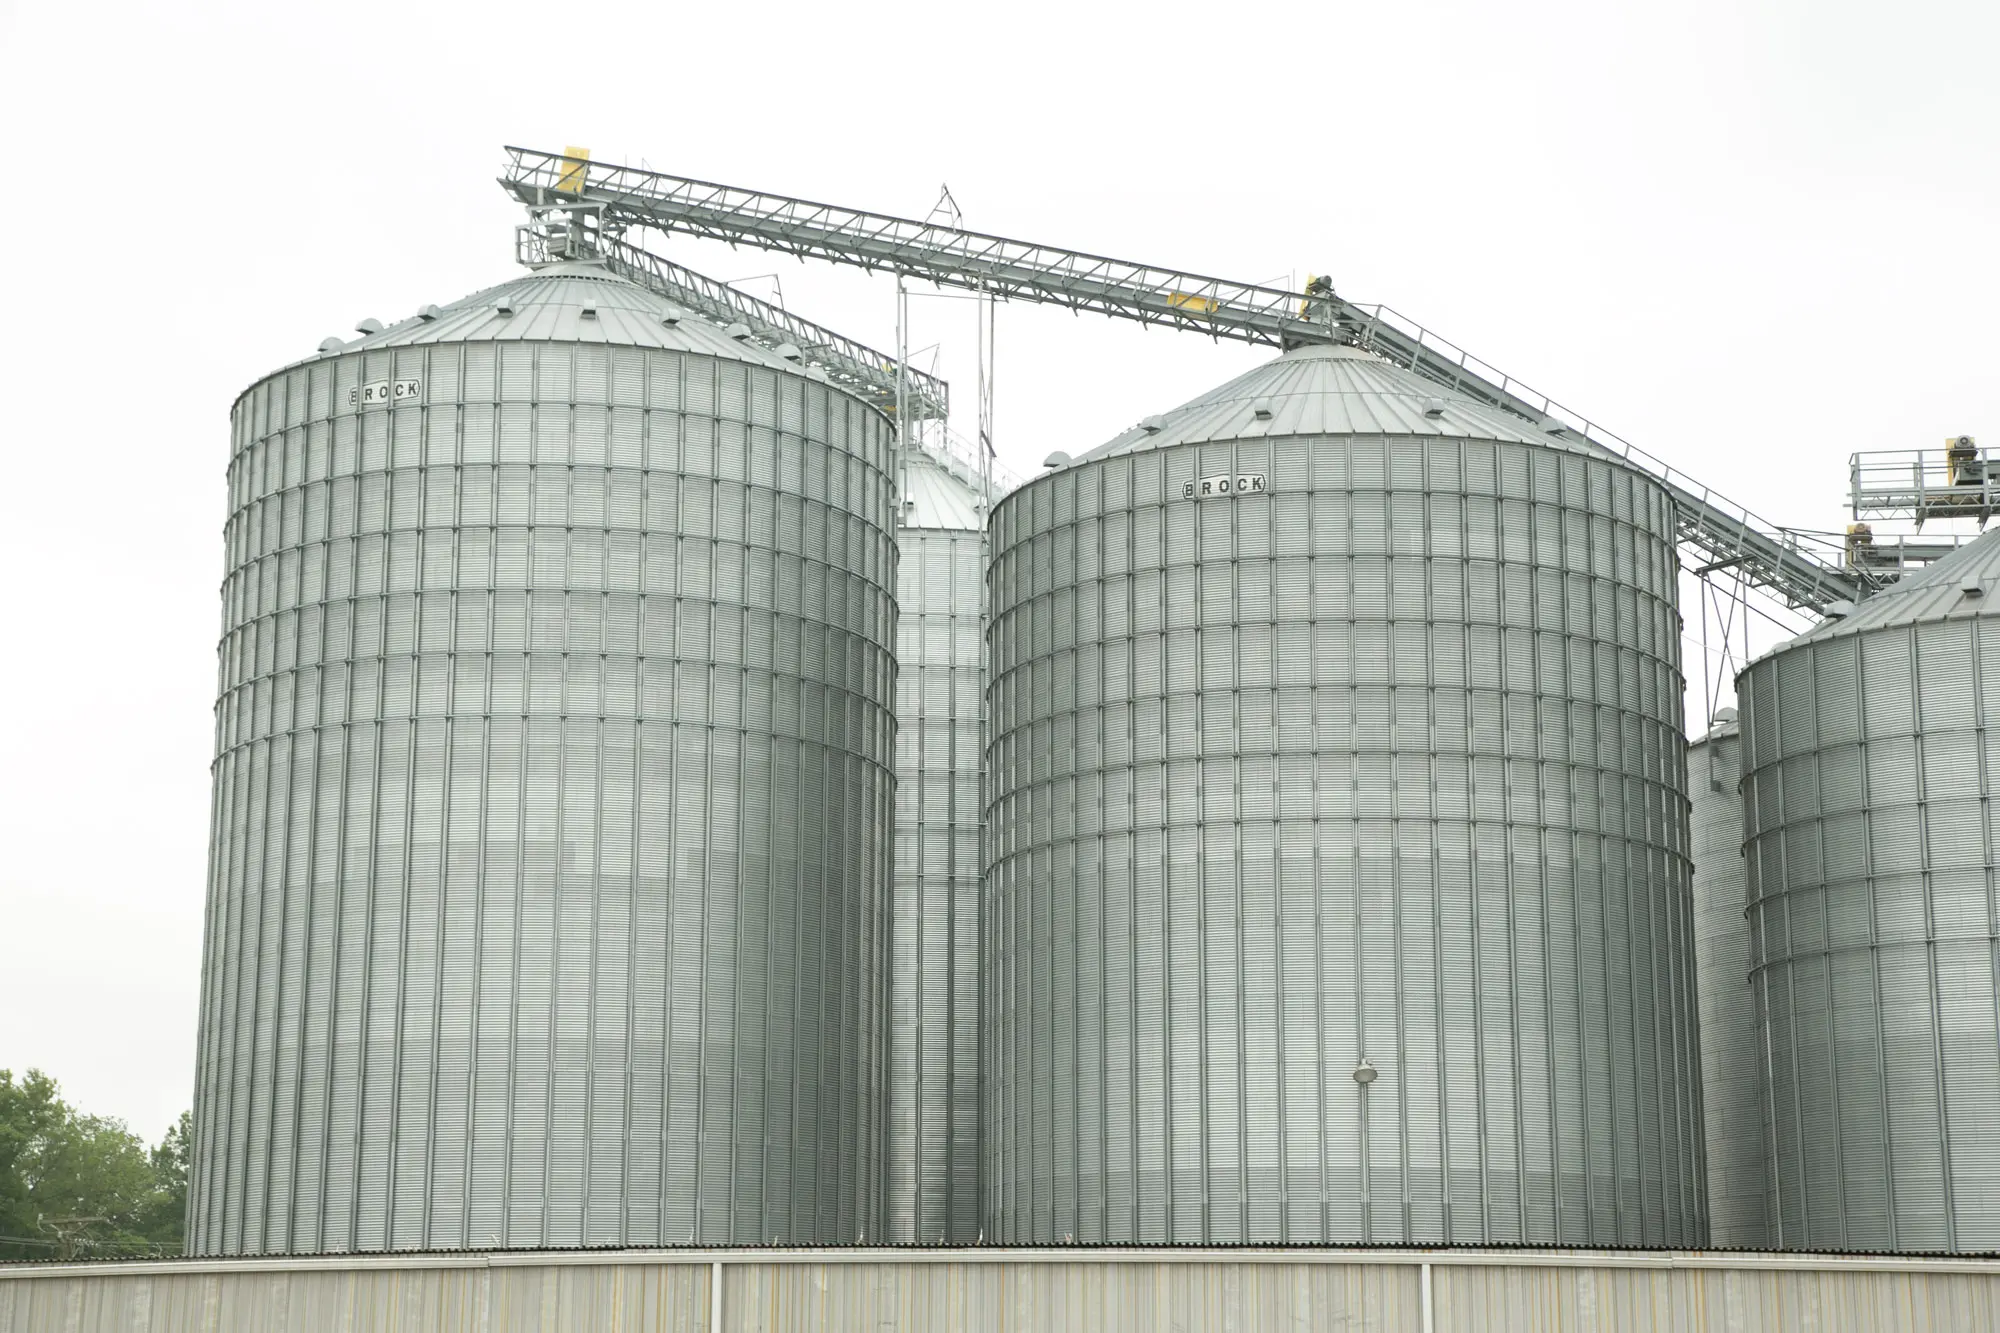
1198, 1292
934, 1054
1734, 1079
1421, 724
445, 906
1871, 890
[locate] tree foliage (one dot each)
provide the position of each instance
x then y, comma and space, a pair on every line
74, 1185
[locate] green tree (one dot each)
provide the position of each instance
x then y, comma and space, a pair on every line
30, 1111
74, 1185
164, 1219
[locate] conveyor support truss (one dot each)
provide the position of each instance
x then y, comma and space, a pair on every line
1804, 571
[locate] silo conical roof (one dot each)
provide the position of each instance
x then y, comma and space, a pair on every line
1330, 390
581, 302
937, 494
1936, 592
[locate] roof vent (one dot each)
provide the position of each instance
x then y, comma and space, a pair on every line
1057, 459
427, 313
1153, 425
1550, 426
1972, 587
504, 306
670, 317
589, 308
1840, 609
1723, 715
790, 352
1433, 407
369, 326
739, 331
330, 346
1261, 409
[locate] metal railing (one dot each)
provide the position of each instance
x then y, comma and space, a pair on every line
1924, 484
1804, 569
960, 456
854, 366
1799, 569
1898, 554
931, 251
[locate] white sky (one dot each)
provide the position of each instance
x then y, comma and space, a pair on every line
1752, 237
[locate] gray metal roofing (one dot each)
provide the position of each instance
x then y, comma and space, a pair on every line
1722, 724
936, 497
549, 306
1936, 592
1330, 390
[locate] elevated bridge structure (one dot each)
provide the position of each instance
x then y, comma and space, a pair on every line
1803, 571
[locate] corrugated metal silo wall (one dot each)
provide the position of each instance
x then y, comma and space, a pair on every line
1384, 762
552, 807
1733, 1083
933, 1191
1870, 761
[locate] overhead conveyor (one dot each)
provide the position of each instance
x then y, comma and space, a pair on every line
1804, 571
572, 231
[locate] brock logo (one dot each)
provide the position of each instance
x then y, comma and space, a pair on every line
1226, 483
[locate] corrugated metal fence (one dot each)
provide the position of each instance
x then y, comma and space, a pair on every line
1185, 1291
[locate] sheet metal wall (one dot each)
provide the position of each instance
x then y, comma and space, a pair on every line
552, 809
1186, 1292
1870, 759
933, 1099
1733, 1083
1384, 762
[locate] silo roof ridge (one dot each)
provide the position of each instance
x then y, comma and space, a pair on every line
1330, 390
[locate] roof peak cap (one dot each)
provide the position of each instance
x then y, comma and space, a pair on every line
1331, 352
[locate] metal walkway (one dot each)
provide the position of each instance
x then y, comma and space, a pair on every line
860, 369
1960, 480
1802, 570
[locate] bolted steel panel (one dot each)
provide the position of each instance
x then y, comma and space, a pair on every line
933, 1090
1375, 756
553, 792
1734, 1087
1871, 852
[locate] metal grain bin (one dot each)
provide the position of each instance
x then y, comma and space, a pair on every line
1871, 754
553, 790
933, 1099
1733, 1085
1337, 882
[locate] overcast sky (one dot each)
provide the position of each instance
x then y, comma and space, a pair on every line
1752, 237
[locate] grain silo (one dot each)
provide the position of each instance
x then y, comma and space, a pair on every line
1870, 757
553, 789
933, 1097
1338, 881
1733, 1084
